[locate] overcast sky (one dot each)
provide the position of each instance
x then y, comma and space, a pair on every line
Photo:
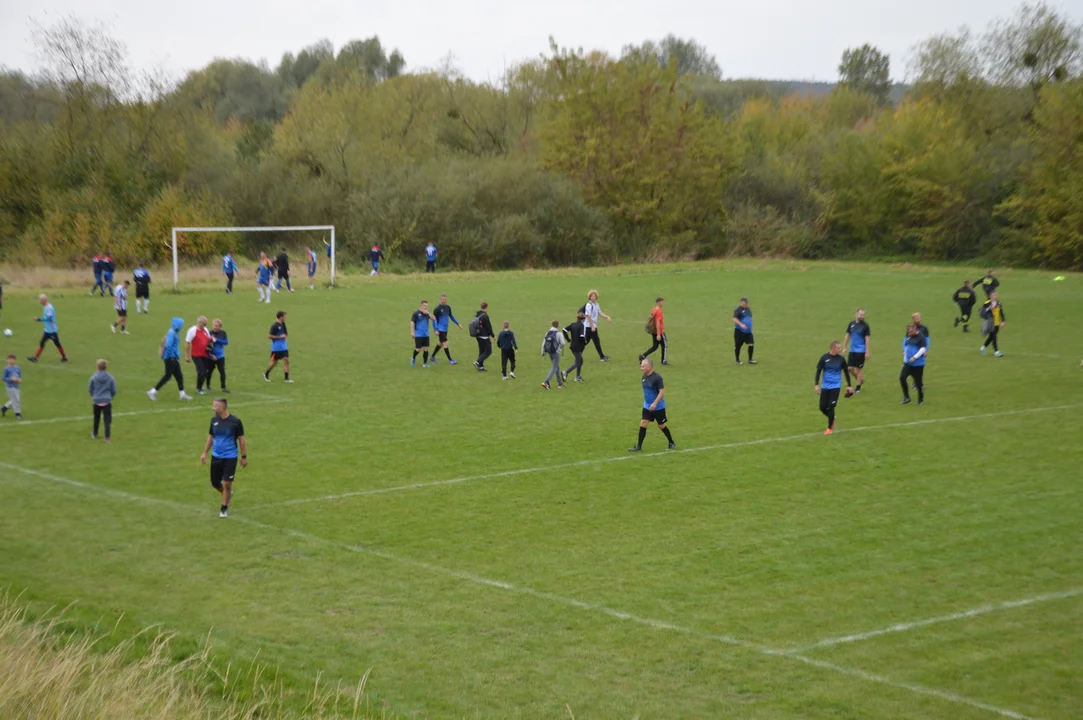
778, 39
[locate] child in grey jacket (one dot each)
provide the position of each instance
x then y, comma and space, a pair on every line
553, 346
103, 388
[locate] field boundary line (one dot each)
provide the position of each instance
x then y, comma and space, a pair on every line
640, 456
965, 614
530, 592
183, 408
141, 379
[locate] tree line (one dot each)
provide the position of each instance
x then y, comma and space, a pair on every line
572, 158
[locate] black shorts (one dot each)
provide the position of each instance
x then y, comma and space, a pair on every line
856, 359
741, 338
280, 354
656, 416
142, 293
222, 469
421, 342
442, 334
122, 313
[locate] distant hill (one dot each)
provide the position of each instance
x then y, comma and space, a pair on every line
816, 89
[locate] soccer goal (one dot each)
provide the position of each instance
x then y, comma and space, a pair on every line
290, 228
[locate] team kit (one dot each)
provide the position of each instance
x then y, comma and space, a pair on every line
839, 373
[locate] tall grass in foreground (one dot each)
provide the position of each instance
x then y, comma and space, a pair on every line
46, 674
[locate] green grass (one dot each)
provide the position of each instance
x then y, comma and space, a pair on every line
662, 585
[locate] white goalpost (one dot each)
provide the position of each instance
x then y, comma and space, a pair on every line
176, 267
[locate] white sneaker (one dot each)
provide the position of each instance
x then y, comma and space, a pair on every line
511, 375
152, 394
223, 513
185, 396
114, 329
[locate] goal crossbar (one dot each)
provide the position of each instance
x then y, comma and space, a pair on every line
176, 267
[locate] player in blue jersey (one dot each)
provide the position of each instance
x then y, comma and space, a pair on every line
375, 256
263, 277
742, 331
419, 331
279, 349
96, 266
13, 380
430, 258
310, 256
226, 444
915, 348
218, 354
654, 405
857, 339
50, 332
833, 366
108, 268
229, 269
169, 351
443, 317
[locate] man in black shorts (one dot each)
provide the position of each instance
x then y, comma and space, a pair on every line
857, 342
742, 331
654, 405
225, 442
142, 289
279, 349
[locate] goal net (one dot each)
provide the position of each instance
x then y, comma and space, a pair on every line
323, 244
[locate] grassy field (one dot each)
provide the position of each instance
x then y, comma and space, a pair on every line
489, 549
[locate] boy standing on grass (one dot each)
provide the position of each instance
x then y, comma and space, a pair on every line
575, 334
120, 303
13, 379
48, 318
506, 342
102, 388
553, 346
142, 289
654, 406
279, 349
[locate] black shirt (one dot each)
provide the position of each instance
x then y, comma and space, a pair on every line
485, 325
964, 296
283, 262
744, 315
989, 284
833, 368
142, 279
225, 432
923, 330
441, 310
575, 334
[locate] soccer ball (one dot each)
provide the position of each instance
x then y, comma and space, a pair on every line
7, 332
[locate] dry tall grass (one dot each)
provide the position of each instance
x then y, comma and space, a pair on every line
44, 674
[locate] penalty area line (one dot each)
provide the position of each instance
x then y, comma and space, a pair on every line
640, 456
87, 418
660, 625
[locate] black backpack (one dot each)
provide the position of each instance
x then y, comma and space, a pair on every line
551, 345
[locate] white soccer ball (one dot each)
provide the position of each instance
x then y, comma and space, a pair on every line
7, 332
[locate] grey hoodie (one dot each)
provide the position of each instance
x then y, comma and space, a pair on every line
102, 387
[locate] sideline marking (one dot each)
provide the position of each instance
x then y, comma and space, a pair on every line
142, 379
622, 458
87, 418
530, 592
903, 627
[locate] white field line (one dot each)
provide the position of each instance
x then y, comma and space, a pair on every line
904, 627
622, 458
530, 592
141, 379
187, 407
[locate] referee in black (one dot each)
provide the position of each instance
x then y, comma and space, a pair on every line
226, 444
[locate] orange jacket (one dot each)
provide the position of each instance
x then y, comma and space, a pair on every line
659, 321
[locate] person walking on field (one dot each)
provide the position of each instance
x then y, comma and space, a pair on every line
593, 310
263, 277
142, 289
507, 344
120, 304
13, 380
553, 346
310, 255
229, 269
444, 317
96, 267
482, 329
832, 365
992, 320
575, 334
965, 298
197, 350
654, 406
742, 331
375, 256
102, 388
279, 348
225, 443
51, 331
915, 349
857, 338
656, 328
282, 262
419, 333
169, 352
108, 268
989, 283
218, 354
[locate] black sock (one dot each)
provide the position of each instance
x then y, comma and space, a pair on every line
669, 436
737, 354
642, 436
425, 357
831, 418
750, 353
858, 386
287, 376
266, 374
225, 507
446, 352
416, 351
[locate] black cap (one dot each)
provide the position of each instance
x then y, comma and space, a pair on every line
744, 299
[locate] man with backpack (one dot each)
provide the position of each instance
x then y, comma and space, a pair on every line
553, 346
575, 334
656, 328
481, 328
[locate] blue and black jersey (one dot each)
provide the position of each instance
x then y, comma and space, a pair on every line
833, 368
443, 315
278, 344
912, 346
652, 385
421, 324
226, 432
430, 253
375, 256
858, 330
744, 315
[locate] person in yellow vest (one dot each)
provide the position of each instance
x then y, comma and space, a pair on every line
993, 319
